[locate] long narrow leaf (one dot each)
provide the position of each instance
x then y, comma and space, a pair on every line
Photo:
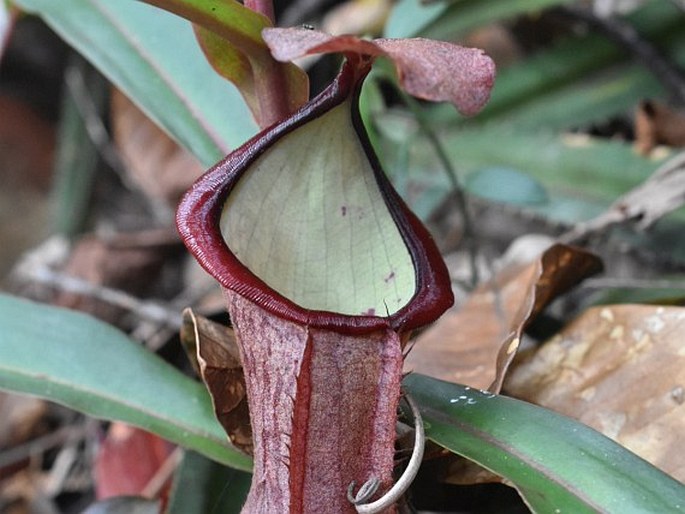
230, 19
556, 463
232, 41
574, 58
203, 486
78, 361
411, 17
154, 58
575, 70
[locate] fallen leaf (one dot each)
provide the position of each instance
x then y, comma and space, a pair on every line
657, 124
125, 261
128, 459
154, 162
21, 418
27, 144
24, 493
621, 370
218, 359
475, 344
661, 193
498, 41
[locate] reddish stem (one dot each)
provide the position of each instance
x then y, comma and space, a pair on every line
271, 85
265, 7
272, 90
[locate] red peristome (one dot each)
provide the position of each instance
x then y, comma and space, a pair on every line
199, 213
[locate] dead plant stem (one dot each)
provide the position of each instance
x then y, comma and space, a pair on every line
152, 311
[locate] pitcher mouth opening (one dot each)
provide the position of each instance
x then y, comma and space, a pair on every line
302, 221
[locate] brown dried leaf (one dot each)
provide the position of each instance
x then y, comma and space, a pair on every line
27, 145
218, 358
621, 370
127, 460
658, 124
125, 261
155, 163
24, 493
662, 193
21, 418
475, 344
432, 70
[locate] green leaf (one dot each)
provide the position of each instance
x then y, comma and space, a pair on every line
556, 463
231, 37
411, 17
465, 15
230, 63
577, 172
154, 58
202, 485
229, 19
408, 17
77, 156
87, 365
572, 59
507, 185
571, 83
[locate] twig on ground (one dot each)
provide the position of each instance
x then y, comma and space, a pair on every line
156, 484
41, 444
153, 311
661, 193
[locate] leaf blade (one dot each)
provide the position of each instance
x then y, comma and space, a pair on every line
121, 381
454, 19
205, 486
555, 462
168, 78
